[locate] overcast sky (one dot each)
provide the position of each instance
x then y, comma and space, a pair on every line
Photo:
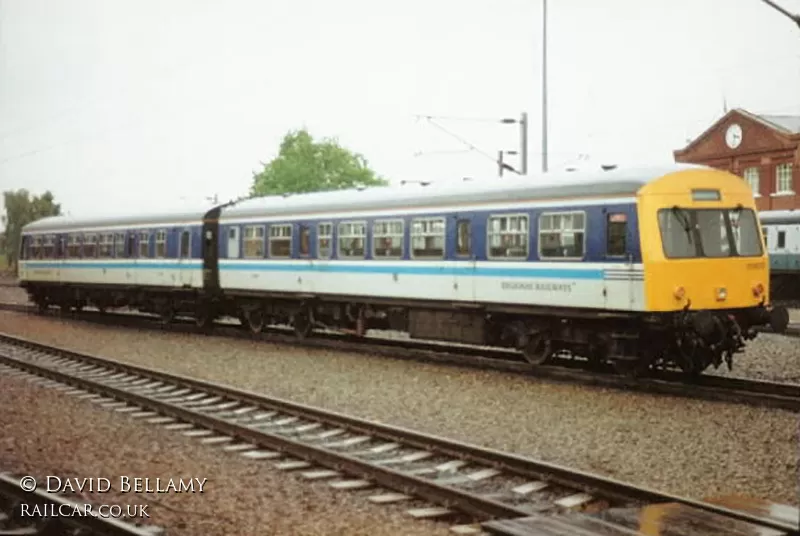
144, 102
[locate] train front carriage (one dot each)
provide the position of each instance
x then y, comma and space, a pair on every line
706, 268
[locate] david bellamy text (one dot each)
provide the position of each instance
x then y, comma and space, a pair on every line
126, 485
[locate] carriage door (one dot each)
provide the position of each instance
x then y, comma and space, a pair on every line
623, 285
233, 242
460, 230
185, 266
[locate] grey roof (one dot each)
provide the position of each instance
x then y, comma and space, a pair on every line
619, 182
140, 217
789, 123
779, 216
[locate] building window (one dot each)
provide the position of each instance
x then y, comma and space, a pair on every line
427, 238
751, 178
90, 245
561, 235
352, 237
324, 240
783, 179
280, 240
387, 239
253, 241
144, 245
106, 245
508, 237
161, 244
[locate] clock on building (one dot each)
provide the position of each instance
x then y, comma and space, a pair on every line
733, 136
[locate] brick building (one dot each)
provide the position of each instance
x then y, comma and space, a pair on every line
762, 149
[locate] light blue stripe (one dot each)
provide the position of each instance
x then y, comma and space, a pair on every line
372, 267
117, 265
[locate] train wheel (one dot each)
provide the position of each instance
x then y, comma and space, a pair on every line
538, 350
41, 306
166, 314
303, 323
631, 368
255, 320
204, 318
779, 319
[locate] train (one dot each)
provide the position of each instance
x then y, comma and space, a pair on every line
630, 268
781, 229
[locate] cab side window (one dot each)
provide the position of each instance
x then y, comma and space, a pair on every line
616, 231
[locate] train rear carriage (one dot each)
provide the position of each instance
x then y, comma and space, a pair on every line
782, 235
633, 267
149, 262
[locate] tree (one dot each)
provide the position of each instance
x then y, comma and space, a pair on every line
22, 209
303, 165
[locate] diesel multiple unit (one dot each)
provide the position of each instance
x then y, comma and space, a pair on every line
636, 268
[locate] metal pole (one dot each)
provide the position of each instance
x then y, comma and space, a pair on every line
523, 139
500, 163
544, 86
776, 7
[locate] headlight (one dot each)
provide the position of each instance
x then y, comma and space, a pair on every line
722, 294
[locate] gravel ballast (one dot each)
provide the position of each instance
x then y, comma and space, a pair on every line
687, 447
47, 433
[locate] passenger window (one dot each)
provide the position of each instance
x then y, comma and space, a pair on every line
119, 245
427, 238
324, 240
90, 246
144, 245
253, 242
161, 244
185, 243
561, 235
781, 239
130, 251
49, 246
616, 231
106, 245
508, 237
464, 238
352, 239
280, 240
387, 238
305, 241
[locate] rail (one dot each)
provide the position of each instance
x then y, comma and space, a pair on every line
461, 479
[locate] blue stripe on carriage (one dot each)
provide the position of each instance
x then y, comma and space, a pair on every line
370, 267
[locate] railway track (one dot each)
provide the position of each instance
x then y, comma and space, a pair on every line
707, 387
26, 513
474, 489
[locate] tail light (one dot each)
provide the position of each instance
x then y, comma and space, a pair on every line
758, 290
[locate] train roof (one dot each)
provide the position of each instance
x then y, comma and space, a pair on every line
779, 216
67, 222
616, 182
